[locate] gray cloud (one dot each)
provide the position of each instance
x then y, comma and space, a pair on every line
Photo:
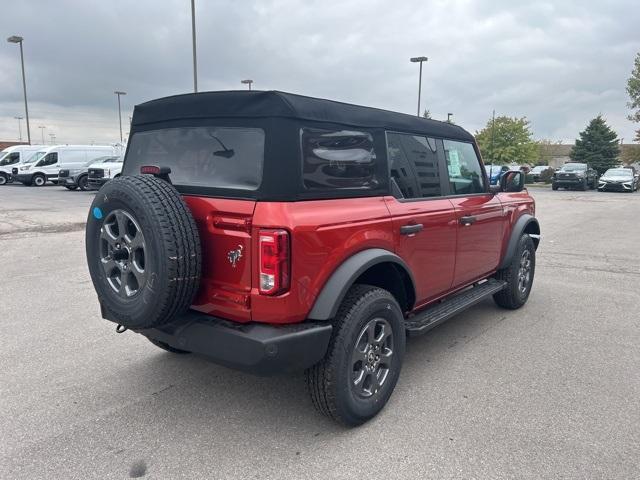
559, 63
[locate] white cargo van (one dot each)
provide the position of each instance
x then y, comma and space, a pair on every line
46, 164
12, 156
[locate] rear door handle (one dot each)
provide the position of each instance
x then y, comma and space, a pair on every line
468, 220
411, 229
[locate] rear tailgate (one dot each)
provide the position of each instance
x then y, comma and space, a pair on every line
225, 236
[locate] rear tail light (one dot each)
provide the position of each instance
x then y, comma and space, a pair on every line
274, 261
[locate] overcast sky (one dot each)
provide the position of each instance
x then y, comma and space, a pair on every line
559, 63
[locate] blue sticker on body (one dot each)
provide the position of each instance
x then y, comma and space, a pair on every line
97, 213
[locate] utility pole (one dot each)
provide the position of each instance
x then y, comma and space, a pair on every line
193, 37
41, 127
493, 123
118, 93
19, 126
18, 39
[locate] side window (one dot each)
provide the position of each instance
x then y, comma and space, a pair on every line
463, 167
338, 159
10, 159
413, 163
49, 159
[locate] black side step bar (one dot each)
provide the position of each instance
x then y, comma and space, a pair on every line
434, 315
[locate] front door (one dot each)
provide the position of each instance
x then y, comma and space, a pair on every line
424, 223
479, 214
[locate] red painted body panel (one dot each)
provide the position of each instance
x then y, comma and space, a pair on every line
480, 244
431, 253
444, 257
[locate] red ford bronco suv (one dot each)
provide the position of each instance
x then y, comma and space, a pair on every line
273, 232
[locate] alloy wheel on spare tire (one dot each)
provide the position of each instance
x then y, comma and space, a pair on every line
143, 251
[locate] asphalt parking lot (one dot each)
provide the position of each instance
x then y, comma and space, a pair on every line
549, 391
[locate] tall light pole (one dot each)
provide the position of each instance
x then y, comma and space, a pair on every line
118, 93
449, 115
42, 127
19, 126
248, 81
193, 37
53, 138
17, 39
419, 60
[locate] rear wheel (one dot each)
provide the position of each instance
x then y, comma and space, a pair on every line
518, 275
362, 365
38, 180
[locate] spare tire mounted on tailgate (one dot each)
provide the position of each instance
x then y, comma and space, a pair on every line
143, 251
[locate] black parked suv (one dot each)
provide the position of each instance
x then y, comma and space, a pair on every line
575, 175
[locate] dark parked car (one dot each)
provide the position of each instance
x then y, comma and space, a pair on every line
272, 232
618, 180
574, 175
536, 171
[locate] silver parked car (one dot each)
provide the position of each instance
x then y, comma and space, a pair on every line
75, 178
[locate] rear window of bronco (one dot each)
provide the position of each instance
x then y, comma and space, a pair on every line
218, 157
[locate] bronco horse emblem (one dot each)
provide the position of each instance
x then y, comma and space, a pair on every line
234, 255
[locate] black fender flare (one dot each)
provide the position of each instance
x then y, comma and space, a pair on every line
331, 296
516, 232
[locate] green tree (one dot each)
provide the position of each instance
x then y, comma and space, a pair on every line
633, 89
507, 140
598, 145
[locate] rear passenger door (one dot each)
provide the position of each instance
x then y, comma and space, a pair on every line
479, 214
424, 223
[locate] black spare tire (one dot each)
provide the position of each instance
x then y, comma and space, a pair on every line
143, 251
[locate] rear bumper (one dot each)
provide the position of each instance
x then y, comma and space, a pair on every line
254, 347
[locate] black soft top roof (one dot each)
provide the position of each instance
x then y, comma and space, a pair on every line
274, 104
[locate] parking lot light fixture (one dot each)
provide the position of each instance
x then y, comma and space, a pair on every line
419, 60
119, 93
18, 39
42, 127
247, 82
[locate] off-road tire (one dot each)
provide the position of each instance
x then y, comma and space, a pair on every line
329, 382
171, 244
167, 347
511, 296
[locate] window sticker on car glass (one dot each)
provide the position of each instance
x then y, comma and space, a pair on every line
454, 164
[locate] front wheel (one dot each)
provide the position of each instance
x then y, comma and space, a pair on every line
518, 275
554, 186
354, 381
71, 187
4, 178
82, 183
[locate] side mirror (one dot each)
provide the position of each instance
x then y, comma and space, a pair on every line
512, 181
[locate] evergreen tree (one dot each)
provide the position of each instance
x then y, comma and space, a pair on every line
598, 146
426, 114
